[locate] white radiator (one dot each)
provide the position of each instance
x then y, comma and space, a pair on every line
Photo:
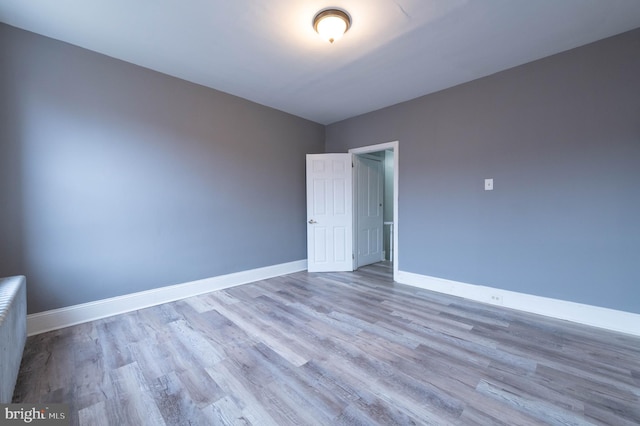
13, 332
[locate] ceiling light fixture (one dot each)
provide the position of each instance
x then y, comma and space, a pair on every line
331, 24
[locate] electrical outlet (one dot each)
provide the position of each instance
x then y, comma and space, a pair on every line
488, 184
496, 299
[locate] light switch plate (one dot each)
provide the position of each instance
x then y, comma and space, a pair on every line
488, 184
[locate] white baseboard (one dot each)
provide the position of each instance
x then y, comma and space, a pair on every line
610, 319
77, 314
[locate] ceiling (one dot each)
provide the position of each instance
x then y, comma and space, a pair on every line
267, 51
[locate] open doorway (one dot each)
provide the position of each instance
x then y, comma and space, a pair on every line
375, 213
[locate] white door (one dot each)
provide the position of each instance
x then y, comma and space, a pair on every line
329, 213
369, 184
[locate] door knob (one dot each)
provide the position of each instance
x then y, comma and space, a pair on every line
311, 221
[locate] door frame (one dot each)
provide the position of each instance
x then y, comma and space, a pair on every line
392, 146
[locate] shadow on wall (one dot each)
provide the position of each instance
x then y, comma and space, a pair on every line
11, 172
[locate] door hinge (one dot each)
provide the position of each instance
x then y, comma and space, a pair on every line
353, 256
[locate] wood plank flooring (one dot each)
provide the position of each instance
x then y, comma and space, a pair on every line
333, 348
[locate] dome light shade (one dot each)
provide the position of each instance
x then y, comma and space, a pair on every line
331, 24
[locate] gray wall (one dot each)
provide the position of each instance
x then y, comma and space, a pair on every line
116, 179
561, 138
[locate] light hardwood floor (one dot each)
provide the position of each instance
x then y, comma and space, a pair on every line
333, 348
